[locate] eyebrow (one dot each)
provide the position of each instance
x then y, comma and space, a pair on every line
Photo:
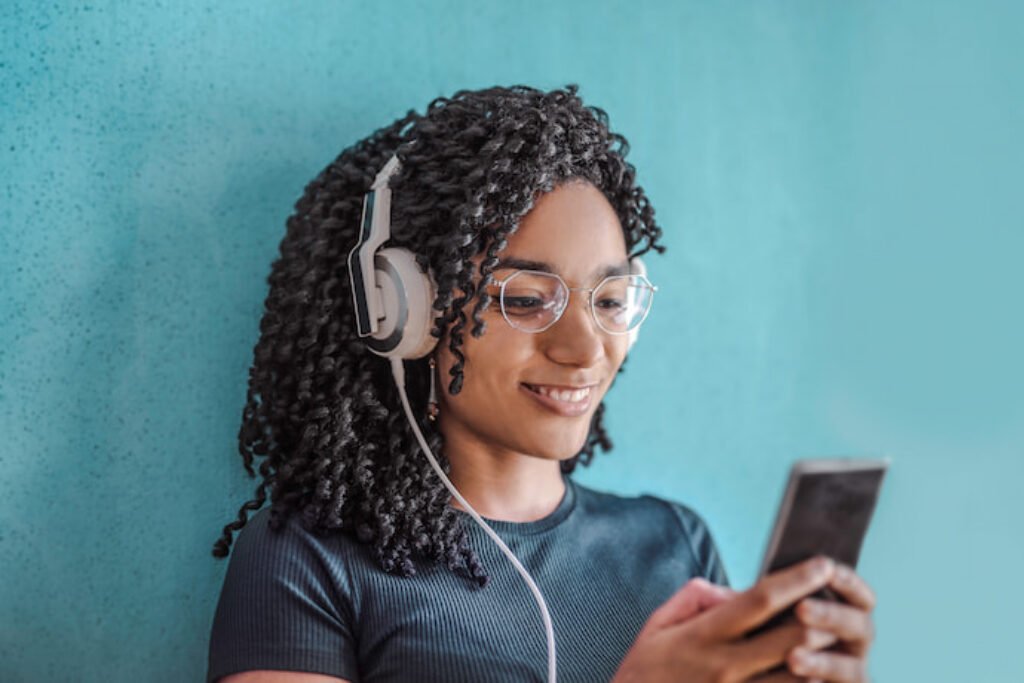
526, 264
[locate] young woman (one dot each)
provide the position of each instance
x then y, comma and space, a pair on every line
364, 567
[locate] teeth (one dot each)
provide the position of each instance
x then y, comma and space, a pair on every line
567, 395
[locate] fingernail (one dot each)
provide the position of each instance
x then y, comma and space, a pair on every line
823, 566
812, 609
800, 661
809, 660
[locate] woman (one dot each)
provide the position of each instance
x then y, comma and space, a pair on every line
522, 207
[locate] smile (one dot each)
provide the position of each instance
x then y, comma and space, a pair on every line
568, 401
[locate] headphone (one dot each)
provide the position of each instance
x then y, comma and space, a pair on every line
393, 296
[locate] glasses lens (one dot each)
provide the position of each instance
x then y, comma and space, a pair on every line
532, 301
621, 302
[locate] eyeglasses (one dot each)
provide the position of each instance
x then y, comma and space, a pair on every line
533, 301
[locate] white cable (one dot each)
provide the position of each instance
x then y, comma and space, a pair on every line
398, 370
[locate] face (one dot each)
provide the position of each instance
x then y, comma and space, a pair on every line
572, 231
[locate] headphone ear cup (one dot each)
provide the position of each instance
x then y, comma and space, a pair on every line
407, 297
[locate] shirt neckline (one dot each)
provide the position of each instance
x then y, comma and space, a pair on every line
553, 519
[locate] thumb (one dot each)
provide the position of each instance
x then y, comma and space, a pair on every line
693, 598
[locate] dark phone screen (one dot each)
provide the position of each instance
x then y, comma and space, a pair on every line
829, 516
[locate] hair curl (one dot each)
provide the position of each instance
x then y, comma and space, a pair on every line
321, 409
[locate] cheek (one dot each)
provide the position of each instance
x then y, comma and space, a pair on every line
492, 363
616, 349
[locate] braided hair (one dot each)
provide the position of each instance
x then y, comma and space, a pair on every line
321, 411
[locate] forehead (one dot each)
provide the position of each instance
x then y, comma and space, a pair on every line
574, 229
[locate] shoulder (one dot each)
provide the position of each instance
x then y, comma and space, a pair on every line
259, 541
287, 603
259, 536
290, 556
661, 521
645, 508
258, 529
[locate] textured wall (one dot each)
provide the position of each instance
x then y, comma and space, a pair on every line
839, 183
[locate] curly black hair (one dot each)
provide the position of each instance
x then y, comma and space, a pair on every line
321, 409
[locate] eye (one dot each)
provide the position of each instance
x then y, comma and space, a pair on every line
526, 305
610, 304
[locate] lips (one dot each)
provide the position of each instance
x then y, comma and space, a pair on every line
569, 401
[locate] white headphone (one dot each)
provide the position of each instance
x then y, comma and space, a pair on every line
393, 297
393, 300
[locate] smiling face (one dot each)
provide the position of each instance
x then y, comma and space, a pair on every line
534, 394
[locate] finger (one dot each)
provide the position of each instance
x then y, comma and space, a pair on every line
830, 666
694, 597
852, 587
768, 596
848, 623
767, 650
783, 677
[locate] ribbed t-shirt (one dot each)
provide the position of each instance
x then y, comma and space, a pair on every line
298, 601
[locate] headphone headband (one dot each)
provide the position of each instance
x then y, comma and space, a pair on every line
375, 230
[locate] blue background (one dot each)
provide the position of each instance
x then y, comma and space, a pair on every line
840, 186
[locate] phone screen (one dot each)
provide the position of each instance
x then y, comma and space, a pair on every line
826, 509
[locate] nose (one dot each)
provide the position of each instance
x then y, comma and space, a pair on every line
575, 339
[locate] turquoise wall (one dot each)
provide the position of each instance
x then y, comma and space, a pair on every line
840, 187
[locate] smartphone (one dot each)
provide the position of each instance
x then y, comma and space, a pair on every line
826, 509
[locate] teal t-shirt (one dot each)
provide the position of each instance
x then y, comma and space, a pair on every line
297, 601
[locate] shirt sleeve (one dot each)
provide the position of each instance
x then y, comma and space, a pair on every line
281, 607
702, 544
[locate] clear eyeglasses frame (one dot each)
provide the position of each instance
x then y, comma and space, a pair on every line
533, 300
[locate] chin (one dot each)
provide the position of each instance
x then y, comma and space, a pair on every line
556, 448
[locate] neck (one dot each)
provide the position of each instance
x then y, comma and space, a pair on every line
505, 486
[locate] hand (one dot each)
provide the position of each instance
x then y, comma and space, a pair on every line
693, 598
851, 624
697, 636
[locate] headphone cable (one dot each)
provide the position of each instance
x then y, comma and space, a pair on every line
398, 370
